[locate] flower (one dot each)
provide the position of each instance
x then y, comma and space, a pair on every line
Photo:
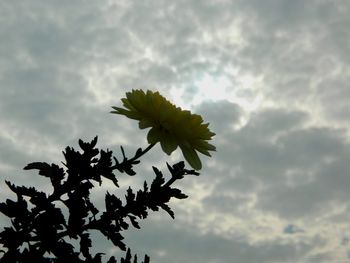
170, 125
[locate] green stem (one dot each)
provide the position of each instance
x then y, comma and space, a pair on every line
149, 147
137, 156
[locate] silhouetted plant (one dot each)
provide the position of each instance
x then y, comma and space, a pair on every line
56, 226
41, 233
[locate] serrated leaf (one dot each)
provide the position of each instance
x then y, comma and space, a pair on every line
130, 196
168, 210
129, 171
85, 244
112, 260
112, 202
170, 168
134, 222
127, 258
179, 165
44, 168
82, 144
98, 258
14, 209
138, 152
25, 191
177, 193
116, 239
87, 146
145, 187
157, 172
158, 181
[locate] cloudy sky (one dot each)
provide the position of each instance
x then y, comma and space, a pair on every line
271, 77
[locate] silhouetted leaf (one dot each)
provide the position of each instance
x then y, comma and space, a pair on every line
116, 239
134, 222
85, 244
112, 202
91, 207
44, 168
127, 258
177, 193
138, 152
97, 258
88, 146
9, 238
14, 209
112, 260
158, 181
179, 166
168, 210
22, 190
130, 196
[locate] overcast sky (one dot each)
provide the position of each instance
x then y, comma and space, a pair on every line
271, 77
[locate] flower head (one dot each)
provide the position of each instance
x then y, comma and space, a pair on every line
170, 125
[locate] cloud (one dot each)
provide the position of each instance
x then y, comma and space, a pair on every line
292, 229
300, 52
196, 247
281, 159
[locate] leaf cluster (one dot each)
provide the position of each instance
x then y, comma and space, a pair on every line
55, 226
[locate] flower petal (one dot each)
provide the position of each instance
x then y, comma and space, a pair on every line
191, 157
153, 136
144, 123
130, 114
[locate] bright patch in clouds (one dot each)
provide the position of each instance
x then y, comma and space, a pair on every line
243, 90
206, 88
212, 88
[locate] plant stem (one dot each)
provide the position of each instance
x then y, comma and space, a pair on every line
149, 147
130, 161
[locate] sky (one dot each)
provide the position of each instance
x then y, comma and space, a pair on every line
271, 78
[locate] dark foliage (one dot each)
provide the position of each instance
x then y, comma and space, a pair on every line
40, 231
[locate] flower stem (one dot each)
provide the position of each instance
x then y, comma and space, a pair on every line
149, 147
127, 163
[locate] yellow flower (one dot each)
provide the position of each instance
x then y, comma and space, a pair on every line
170, 125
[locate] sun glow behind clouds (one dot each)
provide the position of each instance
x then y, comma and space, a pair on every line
212, 88
244, 91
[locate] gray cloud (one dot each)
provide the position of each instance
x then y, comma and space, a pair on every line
293, 166
292, 229
196, 247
